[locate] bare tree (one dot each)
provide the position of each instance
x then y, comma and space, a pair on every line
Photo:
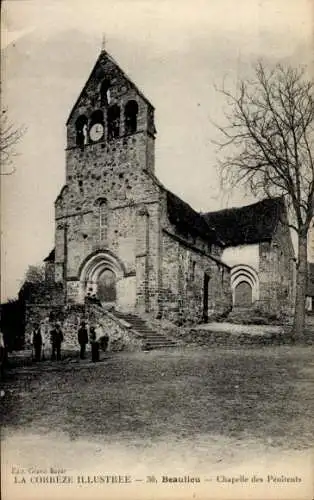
268, 145
9, 137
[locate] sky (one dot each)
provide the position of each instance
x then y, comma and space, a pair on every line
177, 52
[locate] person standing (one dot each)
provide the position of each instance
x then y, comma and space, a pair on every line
94, 344
37, 342
102, 338
45, 331
56, 341
82, 337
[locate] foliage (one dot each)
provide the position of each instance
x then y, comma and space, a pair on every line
12, 324
35, 274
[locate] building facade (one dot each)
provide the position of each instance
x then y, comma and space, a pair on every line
120, 235
260, 252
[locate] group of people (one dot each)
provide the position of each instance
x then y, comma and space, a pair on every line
95, 335
57, 337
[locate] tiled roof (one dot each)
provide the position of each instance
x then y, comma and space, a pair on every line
247, 225
186, 219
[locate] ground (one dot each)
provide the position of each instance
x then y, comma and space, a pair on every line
188, 411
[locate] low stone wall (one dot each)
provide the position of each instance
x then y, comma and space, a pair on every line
40, 313
193, 337
121, 337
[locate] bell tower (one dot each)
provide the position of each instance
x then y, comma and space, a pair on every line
111, 124
109, 159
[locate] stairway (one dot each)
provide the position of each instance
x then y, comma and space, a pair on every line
151, 339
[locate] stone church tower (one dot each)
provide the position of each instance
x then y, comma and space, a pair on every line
120, 234
101, 214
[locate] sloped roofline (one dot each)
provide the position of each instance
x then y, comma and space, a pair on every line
242, 225
51, 256
101, 55
187, 205
275, 199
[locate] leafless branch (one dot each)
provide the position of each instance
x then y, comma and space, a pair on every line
9, 138
267, 140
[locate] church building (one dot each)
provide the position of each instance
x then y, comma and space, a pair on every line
120, 235
260, 253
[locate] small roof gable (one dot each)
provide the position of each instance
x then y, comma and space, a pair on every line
186, 219
103, 56
247, 225
50, 257
310, 280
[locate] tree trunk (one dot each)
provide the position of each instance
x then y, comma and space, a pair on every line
301, 285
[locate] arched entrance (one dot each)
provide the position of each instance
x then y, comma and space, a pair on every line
244, 285
106, 290
99, 275
243, 294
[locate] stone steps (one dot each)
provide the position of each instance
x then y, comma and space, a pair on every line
151, 338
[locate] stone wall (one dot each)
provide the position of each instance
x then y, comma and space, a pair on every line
277, 273
43, 314
82, 221
41, 301
185, 259
182, 293
120, 336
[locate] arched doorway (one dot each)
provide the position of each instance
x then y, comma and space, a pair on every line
99, 275
244, 285
106, 289
243, 294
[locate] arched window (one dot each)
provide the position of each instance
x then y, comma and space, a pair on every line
105, 93
103, 220
113, 121
81, 130
130, 117
96, 117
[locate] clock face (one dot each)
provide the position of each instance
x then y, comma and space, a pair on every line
96, 132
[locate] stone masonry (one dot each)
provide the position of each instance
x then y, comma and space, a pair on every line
120, 234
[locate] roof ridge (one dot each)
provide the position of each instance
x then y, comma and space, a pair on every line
198, 217
242, 207
104, 54
248, 224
